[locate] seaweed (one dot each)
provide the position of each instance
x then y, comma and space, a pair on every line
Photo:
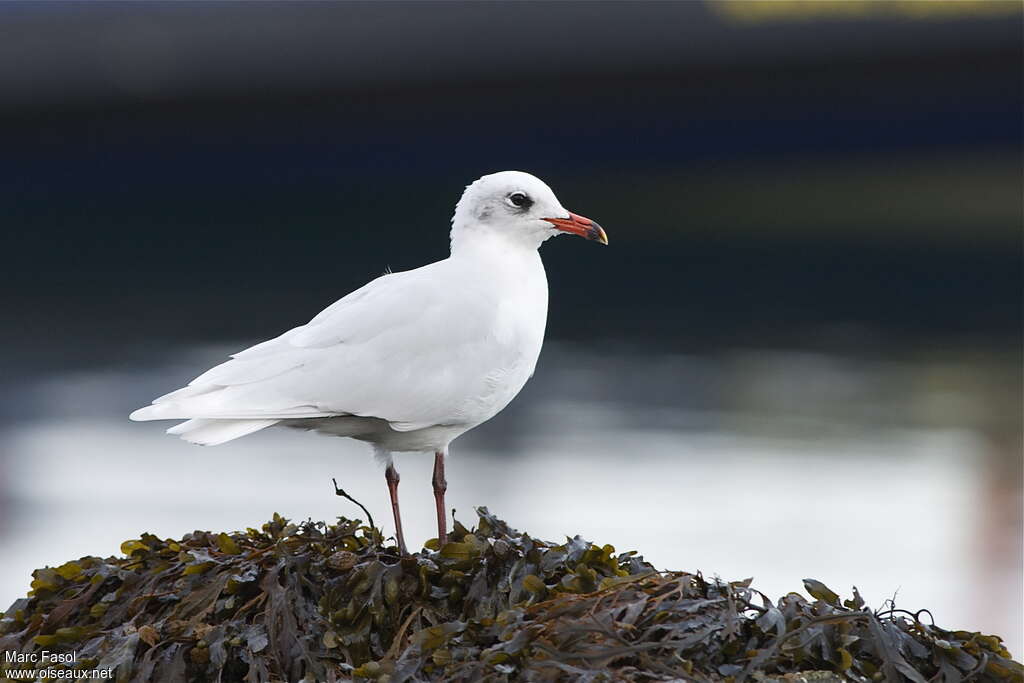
319, 602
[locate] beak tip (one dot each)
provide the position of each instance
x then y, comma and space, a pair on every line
597, 234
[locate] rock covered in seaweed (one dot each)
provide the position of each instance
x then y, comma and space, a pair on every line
321, 603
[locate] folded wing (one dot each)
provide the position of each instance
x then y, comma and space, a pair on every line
406, 348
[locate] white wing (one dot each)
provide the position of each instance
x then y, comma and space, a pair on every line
410, 348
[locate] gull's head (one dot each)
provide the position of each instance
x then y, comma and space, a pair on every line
519, 208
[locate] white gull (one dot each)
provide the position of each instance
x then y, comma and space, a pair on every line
411, 360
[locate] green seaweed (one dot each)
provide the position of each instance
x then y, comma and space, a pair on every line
321, 602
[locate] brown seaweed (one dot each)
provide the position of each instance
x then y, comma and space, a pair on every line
321, 602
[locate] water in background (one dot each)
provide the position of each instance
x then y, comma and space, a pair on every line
897, 475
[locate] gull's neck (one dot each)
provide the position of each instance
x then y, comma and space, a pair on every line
476, 237
503, 255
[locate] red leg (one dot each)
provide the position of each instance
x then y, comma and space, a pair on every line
440, 486
391, 475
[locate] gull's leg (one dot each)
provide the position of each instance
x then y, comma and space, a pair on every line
440, 486
391, 475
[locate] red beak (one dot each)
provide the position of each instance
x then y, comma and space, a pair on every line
580, 225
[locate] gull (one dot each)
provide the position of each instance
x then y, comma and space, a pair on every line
410, 361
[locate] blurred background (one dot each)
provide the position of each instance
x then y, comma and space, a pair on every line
804, 359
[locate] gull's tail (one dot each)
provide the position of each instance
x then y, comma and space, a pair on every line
233, 399
209, 432
214, 432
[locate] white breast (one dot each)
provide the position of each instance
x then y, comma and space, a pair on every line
519, 293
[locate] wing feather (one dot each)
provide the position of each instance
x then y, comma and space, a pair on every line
400, 349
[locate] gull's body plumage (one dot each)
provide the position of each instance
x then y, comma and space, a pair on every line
411, 360
408, 362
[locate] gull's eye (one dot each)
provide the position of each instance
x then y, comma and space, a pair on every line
519, 200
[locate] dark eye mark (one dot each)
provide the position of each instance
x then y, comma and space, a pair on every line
520, 200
